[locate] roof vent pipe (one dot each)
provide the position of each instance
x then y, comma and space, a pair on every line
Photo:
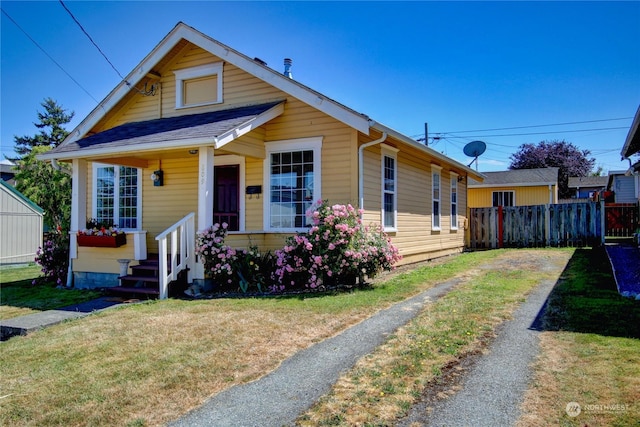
287, 67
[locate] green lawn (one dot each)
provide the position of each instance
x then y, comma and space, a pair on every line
19, 296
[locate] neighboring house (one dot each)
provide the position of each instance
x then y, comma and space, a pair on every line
20, 226
631, 148
631, 145
518, 187
218, 136
625, 186
588, 187
7, 172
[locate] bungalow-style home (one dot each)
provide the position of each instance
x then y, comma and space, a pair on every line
199, 133
589, 187
518, 187
21, 226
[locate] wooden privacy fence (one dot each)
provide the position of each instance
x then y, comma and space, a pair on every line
622, 219
575, 224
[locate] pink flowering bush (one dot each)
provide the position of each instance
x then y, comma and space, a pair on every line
336, 251
231, 269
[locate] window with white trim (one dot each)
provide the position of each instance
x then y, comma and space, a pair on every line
389, 187
504, 198
435, 195
198, 86
117, 195
292, 172
454, 201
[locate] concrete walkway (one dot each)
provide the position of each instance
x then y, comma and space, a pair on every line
25, 324
278, 398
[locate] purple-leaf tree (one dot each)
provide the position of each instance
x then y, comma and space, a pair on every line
569, 159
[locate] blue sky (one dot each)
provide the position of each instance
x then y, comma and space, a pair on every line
466, 68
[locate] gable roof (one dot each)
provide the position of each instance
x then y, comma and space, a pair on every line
588, 181
184, 32
21, 197
181, 33
219, 127
519, 178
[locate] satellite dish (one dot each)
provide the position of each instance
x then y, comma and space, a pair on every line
474, 149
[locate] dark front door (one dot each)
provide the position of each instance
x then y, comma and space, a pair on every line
225, 205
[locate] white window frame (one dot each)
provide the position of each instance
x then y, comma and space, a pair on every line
391, 153
513, 193
186, 74
291, 145
116, 202
436, 171
454, 203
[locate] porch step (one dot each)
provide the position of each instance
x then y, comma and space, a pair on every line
129, 290
145, 279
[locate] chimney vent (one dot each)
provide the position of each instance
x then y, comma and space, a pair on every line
287, 67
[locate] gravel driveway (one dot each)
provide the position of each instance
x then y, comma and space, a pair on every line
493, 389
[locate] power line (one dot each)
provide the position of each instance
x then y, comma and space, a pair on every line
538, 126
90, 39
540, 133
49, 56
144, 92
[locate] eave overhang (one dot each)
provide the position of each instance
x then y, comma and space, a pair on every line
430, 151
214, 129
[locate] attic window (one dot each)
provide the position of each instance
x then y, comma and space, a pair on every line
198, 86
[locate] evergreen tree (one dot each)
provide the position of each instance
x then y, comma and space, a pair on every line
48, 187
52, 132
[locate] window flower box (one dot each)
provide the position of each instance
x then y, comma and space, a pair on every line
102, 241
101, 235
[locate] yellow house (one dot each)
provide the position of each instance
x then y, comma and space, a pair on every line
199, 133
520, 187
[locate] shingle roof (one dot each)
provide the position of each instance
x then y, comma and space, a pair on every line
541, 176
588, 181
193, 126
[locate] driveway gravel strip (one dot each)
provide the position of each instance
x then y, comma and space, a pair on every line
278, 398
494, 387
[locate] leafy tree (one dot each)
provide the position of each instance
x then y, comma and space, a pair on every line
52, 132
47, 187
569, 159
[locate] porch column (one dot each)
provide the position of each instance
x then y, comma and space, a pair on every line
205, 197
78, 203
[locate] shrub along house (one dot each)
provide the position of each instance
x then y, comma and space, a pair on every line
199, 133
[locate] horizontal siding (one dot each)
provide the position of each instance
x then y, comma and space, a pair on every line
103, 260
339, 156
414, 236
166, 205
254, 205
524, 196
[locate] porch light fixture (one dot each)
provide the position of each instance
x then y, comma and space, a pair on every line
192, 152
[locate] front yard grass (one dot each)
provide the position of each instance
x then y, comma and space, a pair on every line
590, 351
146, 364
19, 297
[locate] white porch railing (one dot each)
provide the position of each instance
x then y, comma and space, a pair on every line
179, 254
